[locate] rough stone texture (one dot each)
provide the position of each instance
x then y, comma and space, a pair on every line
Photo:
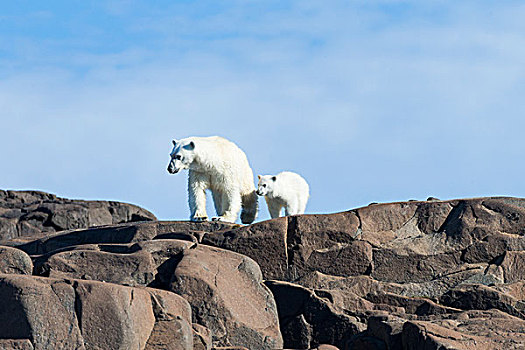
74, 314
410, 259
16, 344
229, 284
227, 296
41, 310
409, 275
469, 330
270, 235
309, 318
15, 261
172, 330
120, 234
201, 337
29, 213
114, 317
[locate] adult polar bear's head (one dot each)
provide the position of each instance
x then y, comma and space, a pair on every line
182, 155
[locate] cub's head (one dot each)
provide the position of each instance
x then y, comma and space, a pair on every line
266, 185
181, 155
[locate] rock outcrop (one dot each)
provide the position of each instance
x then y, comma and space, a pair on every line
411, 275
419, 264
26, 214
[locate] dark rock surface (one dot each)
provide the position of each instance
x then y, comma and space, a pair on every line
27, 214
411, 275
422, 264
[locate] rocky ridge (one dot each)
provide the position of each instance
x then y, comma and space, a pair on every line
35, 213
409, 275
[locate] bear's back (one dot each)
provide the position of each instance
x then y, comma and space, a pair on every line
293, 181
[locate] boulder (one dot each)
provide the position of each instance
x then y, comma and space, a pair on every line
75, 314
310, 318
227, 296
15, 261
223, 287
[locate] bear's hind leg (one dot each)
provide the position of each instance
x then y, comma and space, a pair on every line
231, 205
302, 204
217, 201
249, 207
292, 208
274, 208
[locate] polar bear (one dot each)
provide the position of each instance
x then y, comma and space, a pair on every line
218, 165
286, 189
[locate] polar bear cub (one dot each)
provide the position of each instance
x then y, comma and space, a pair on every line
286, 189
218, 165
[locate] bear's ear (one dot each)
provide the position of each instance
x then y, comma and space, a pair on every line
274, 178
190, 146
174, 142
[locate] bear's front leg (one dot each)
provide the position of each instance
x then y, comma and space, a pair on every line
197, 197
231, 206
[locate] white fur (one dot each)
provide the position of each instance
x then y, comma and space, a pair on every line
218, 165
286, 189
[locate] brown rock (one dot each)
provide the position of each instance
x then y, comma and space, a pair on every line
476, 330
309, 318
131, 269
201, 337
172, 328
75, 314
326, 347
121, 234
312, 238
391, 266
40, 310
265, 242
513, 265
227, 296
480, 297
16, 344
382, 277
341, 259
384, 218
112, 316
30, 213
15, 261
174, 334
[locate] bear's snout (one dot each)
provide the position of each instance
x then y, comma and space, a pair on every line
172, 169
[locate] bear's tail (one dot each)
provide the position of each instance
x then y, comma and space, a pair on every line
249, 207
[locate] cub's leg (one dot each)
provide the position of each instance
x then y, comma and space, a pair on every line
274, 208
302, 204
197, 186
292, 207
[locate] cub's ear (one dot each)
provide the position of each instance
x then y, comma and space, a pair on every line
174, 142
190, 146
274, 178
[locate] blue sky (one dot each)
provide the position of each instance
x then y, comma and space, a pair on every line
371, 101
